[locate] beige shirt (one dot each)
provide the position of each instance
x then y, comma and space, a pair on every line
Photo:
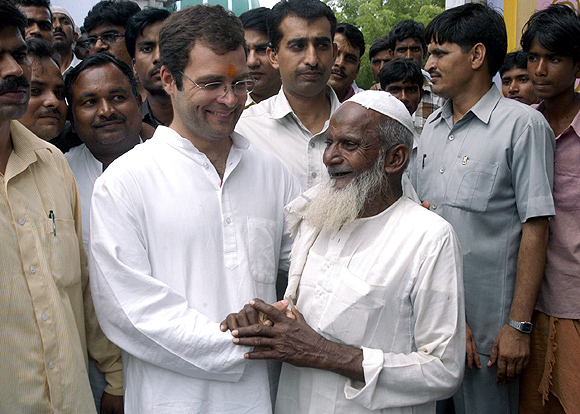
46, 309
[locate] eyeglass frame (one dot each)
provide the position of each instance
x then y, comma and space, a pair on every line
91, 41
226, 86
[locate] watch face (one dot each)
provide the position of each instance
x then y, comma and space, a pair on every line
526, 327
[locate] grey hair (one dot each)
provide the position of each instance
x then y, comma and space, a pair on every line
389, 133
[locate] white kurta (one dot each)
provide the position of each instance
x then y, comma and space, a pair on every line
173, 251
391, 285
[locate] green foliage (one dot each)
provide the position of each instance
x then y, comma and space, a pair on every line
376, 18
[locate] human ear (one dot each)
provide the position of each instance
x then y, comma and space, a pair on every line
396, 158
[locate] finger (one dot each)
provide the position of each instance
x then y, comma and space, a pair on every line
501, 370
281, 305
255, 341
476, 359
273, 314
251, 314
254, 330
469, 355
510, 371
519, 368
297, 315
242, 319
231, 322
493, 355
262, 354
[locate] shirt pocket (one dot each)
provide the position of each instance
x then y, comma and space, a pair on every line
350, 308
471, 185
63, 252
261, 242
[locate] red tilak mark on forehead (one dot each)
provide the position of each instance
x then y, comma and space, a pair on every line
232, 71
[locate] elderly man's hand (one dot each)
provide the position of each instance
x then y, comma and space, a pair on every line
291, 340
511, 351
250, 316
111, 404
471, 349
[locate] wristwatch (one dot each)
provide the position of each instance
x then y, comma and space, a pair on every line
523, 327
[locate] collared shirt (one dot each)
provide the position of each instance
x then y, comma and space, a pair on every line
174, 250
86, 169
560, 291
46, 310
388, 284
429, 103
486, 175
148, 116
273, 126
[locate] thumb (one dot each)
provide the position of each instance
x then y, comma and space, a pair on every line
493, 356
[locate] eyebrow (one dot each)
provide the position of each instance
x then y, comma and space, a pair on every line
146, 43
306, 39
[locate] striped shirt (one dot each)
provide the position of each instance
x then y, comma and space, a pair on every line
47, 318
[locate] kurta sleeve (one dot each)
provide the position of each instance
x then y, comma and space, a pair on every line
433, 370
141, 314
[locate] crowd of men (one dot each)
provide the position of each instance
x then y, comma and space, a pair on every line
237, 227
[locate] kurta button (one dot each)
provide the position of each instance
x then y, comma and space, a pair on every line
21, 221
32, 269
51, 365
313, 145
44, 317
228, 220
441, 170
205, 165
313, 175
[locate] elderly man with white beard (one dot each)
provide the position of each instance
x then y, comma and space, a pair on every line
377, 279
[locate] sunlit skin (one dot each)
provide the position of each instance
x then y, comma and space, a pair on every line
305, 56
106, 113
516, 84
205, 120
346, 66
552, 75
117, 49
267, 78
47, 108
449, 68
410, 49
379, 60
408, 93
39, 23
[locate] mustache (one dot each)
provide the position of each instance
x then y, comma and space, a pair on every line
316, 68
14, 83
50, 111
154, 69
340, 72
110, 118
434, 72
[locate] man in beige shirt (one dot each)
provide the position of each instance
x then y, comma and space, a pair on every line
46, 311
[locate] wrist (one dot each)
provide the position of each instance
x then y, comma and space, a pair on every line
523, 327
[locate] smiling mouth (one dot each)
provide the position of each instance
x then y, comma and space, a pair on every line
338, 174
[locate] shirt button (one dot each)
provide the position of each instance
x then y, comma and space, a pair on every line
451, 137
205, 165
32, 269
44, 317
228, 220
434, 205
313, 175
21, 221
441, 170
313, 145
51, 365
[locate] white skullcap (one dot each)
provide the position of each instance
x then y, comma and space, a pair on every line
386, 104
62, 10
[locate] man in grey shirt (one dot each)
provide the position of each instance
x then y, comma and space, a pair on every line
485, 164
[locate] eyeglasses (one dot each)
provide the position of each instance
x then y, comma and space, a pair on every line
108, 38
220, 89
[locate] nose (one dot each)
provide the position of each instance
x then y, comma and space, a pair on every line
513, 88
9, 67
409, 54
51, 101
230, 98
403, 96
105, 108
542, 67
100, 46
339, 61
331, 155
310, 56
33, 31
253, 59
430, 64
156, 55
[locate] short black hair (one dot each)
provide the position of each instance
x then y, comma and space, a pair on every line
115, 13
96, 61
138, 22
213, 26
517, 59
309, 10
256, 19
406, 29
468, 25
557, 29
400, 70
353, 35
10, 15
381, 43
36, 3
40, 49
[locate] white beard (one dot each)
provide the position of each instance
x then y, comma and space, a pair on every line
334, 208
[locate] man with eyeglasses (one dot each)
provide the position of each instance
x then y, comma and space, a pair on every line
189, 226
105, 24
39, 19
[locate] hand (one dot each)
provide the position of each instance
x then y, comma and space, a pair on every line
426, 204
511, 351
250, 316
471, 349
111, 404
289, 339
